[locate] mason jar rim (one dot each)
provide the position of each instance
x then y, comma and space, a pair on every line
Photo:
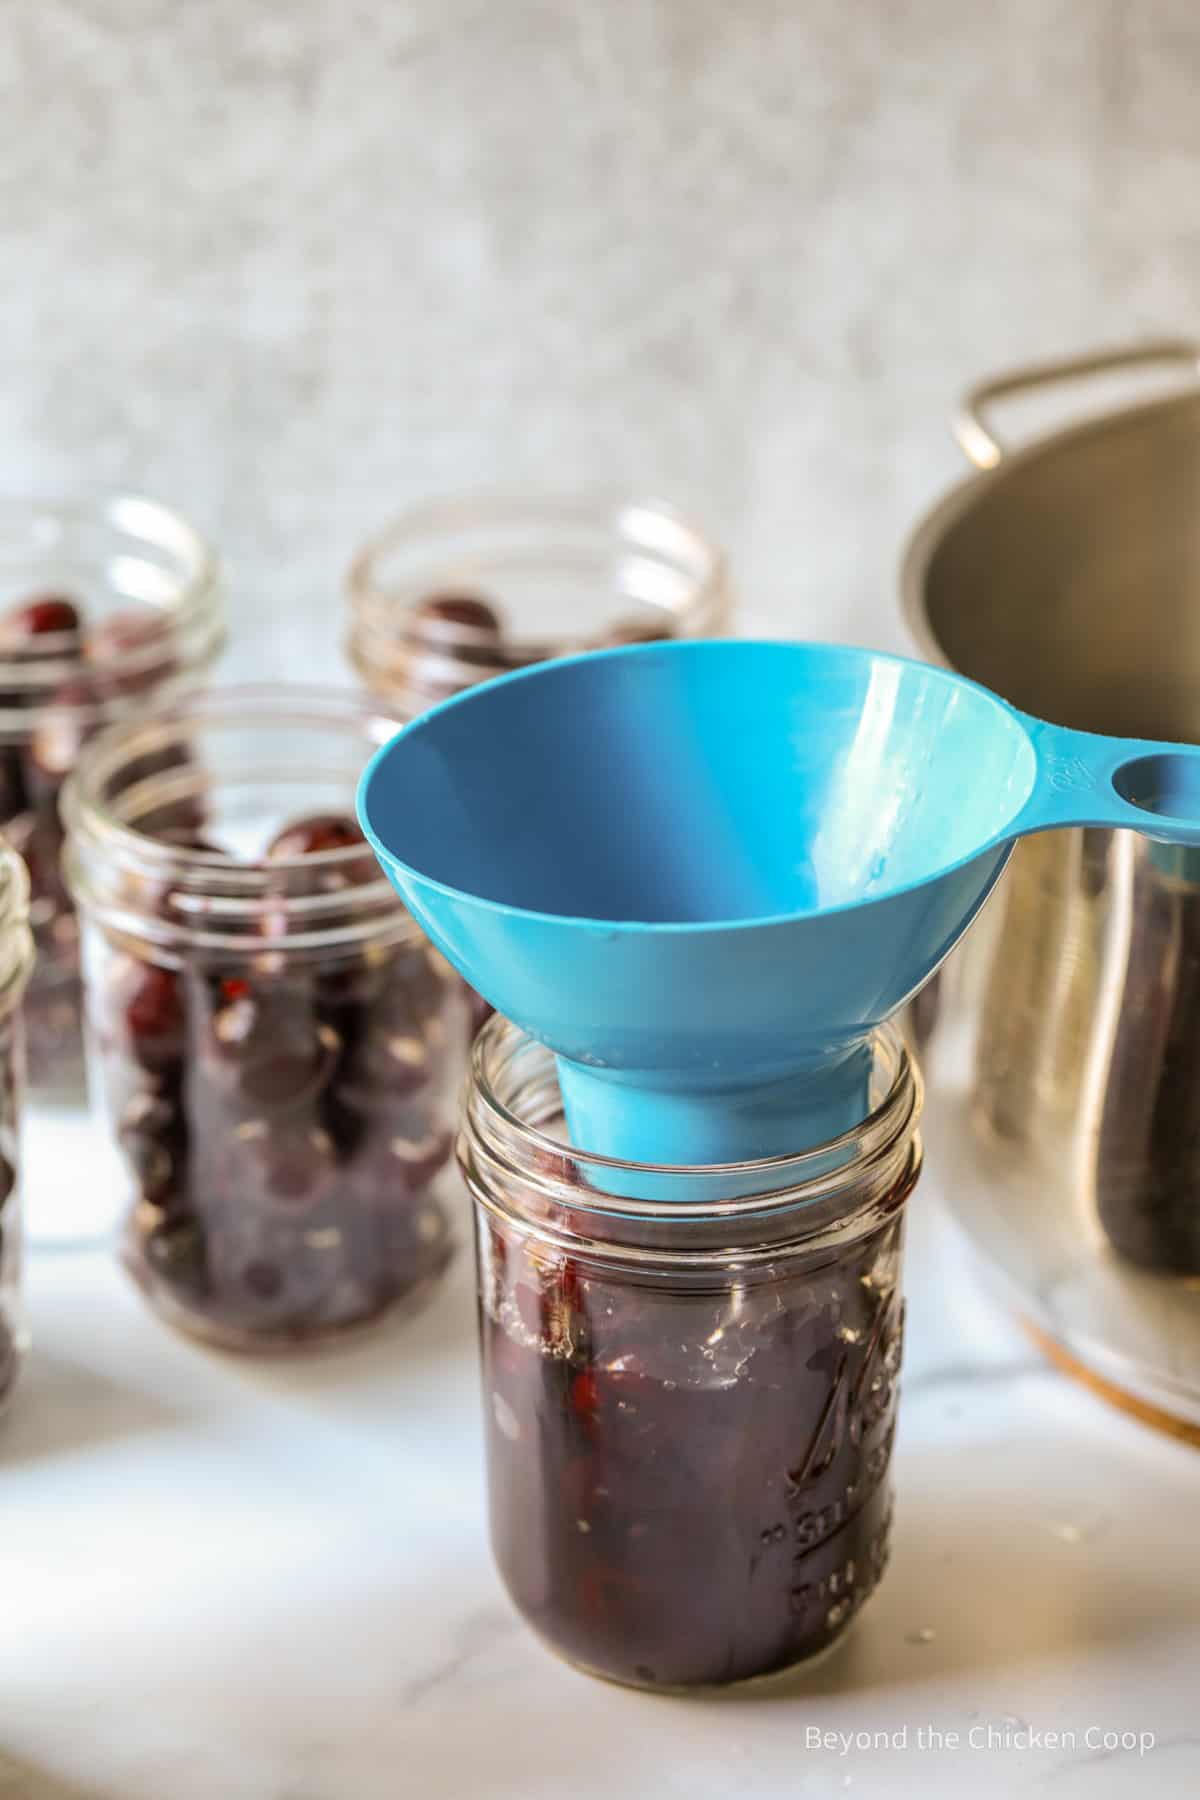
498, 1147
379, 610
225, 891
50, 662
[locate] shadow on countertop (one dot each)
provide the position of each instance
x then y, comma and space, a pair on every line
60, 1407
20, 1780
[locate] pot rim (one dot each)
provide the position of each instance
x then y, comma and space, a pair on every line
933, 526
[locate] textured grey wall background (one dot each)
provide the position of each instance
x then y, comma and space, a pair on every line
291, 265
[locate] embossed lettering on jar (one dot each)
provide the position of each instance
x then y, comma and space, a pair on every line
278, 1045
690, 1380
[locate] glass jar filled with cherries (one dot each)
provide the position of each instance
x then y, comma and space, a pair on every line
459, 590
103, 604
16, 961
690, 1379
277, 1045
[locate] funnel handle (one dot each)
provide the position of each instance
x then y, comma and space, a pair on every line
1132, 784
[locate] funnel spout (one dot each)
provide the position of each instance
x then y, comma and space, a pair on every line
689, 1119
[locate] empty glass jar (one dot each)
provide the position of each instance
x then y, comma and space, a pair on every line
277, 1045
459, 590
16, 960
690, 1379
103, 603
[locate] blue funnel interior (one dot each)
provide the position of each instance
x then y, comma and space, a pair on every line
702, 873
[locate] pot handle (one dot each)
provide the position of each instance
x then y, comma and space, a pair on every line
972, 426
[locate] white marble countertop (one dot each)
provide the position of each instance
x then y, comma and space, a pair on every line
236, 1580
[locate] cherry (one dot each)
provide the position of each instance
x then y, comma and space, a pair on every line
263, 1279
42, 615
585, 1393
154, 1014
153, 1134
346, 992
176, 1252
469, 612
392, 1060
266, 1045
285, 1077
272, 1274
152, 1165
416, 1240
419, 1158
314, 834
299, 1169
391, 1025
454, 639
14, 796
371, 1005
400, 1163
414, 987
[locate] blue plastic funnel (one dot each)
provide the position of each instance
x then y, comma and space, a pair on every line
702, 873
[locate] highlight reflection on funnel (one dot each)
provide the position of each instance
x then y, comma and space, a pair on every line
703, 873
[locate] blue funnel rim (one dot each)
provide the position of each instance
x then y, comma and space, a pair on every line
692, 927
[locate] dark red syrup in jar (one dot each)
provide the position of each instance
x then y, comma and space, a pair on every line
689, 1482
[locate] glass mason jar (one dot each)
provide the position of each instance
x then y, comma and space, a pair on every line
16, 961
459, 590
690, 1379
277, 1046
103, 603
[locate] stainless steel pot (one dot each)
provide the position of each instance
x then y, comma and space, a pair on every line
1063, 1050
